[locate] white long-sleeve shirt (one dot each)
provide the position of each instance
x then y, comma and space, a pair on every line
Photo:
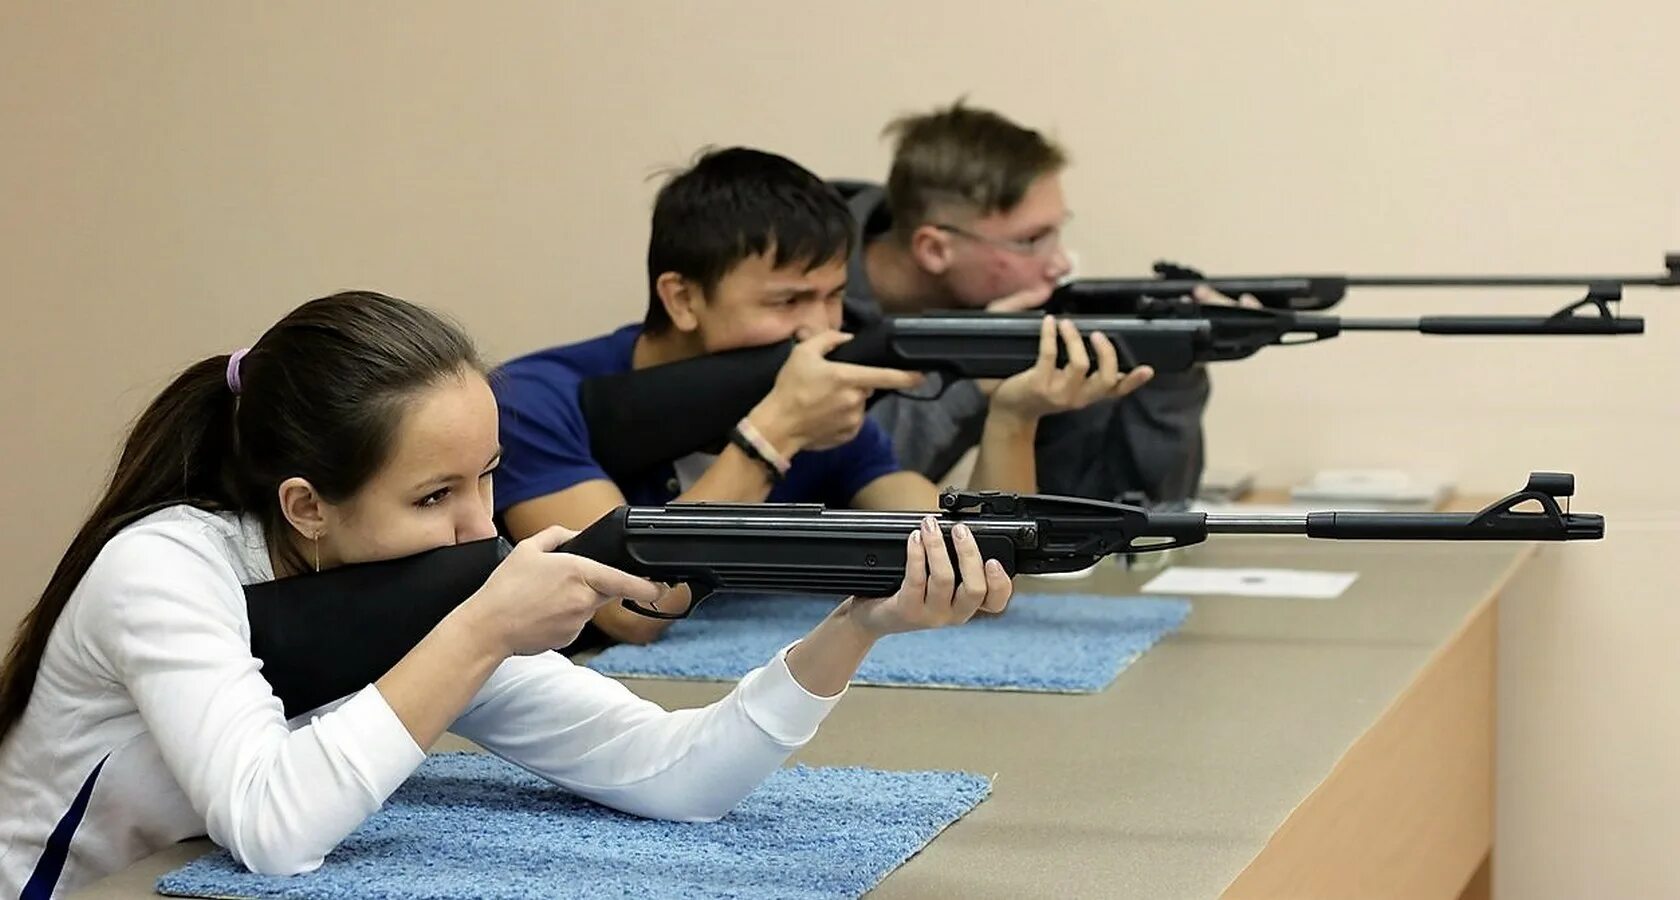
150, 722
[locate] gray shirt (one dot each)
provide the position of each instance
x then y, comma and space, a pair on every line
1148, 442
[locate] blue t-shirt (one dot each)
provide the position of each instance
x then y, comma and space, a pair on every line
545, 442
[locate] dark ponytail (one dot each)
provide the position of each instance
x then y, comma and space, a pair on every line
321, 396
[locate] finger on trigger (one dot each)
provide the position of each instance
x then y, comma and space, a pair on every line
876, 378
826, 341
613, 583
551, 538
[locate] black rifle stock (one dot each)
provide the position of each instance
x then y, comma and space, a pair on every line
325, 635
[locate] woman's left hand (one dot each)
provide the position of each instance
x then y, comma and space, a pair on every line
936, 592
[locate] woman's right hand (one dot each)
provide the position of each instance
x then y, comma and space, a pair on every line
538, 600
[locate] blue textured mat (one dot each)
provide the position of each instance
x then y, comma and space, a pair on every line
1068, 643
470, 825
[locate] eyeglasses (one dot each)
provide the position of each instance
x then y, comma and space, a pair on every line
1039, 247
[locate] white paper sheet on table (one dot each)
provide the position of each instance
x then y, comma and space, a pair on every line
1252, 582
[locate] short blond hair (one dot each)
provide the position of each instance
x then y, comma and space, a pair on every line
963, 155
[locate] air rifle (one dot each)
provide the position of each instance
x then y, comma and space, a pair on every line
645, 418
325, 635
1315, 292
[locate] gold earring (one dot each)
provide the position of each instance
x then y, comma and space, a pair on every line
317, 541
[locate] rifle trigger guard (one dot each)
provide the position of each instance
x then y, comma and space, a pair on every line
696, 592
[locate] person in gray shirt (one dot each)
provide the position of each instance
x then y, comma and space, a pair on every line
971, 217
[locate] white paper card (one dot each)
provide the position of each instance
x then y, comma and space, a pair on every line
1252, 582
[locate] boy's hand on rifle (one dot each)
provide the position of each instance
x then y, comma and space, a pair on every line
1204, 294
1046, 388
931, 595
1021, 301
817, 403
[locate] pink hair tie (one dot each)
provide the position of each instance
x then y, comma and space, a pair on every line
234, 359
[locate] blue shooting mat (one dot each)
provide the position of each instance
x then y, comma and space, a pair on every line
471, 825
1060, 643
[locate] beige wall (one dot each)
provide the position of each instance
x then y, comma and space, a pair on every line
174, 176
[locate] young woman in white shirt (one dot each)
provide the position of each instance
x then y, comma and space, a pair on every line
360, 427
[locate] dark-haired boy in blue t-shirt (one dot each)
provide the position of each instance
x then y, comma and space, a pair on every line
749, 249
